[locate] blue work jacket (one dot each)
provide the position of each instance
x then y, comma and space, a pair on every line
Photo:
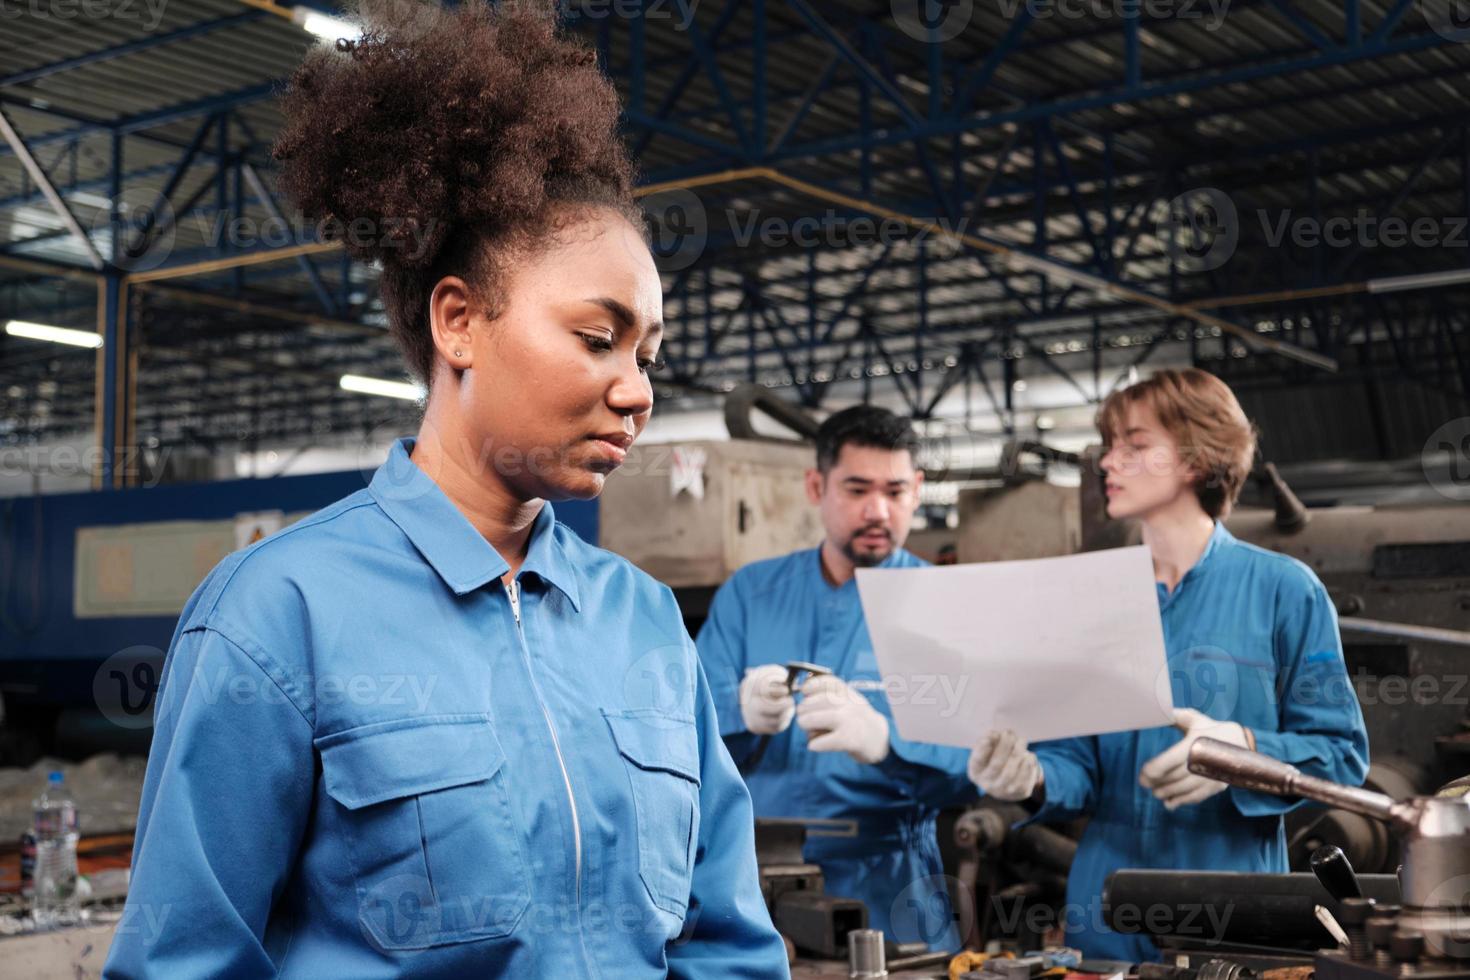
373, 759
783, 609
1251, 637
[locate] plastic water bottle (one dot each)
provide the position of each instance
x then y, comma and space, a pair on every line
56, 901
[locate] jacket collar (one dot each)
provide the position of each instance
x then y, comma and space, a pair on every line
1220, 539
449, 542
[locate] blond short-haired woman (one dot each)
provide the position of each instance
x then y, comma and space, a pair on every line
1254, 659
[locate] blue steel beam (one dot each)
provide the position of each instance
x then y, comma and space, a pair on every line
268, 201
1218, 75
140, 246
758, 80
1391, 20
980, 77
1307, 29
1132, 51
1065, 169
686, 74
710, 61
864, 68
1403, 192
130, 125
808, 99
43, 181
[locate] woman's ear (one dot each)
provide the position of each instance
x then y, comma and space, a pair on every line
450, 318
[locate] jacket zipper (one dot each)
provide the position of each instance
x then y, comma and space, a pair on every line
514, 591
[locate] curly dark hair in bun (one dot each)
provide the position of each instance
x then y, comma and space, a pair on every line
446, 141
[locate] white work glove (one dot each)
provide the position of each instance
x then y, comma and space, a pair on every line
1002, 766
838, 719
766, 703
1167, 773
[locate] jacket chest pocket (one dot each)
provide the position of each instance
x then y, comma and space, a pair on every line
431, 834
1227, 679
661, 757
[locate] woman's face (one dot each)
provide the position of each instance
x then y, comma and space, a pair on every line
557, 387
1145, 468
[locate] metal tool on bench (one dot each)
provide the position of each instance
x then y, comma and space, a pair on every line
794, 670
818, 924
1430, 934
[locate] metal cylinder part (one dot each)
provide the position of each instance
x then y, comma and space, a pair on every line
1436, 871
865, 954
1435, 875
1225, 970
1252, 770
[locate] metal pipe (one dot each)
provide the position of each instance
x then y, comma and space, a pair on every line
269, 7
740, 401
1291, 515
260, 257
1408, 631
74, 273
1252, 770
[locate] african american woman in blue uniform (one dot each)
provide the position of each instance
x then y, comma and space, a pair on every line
522, 802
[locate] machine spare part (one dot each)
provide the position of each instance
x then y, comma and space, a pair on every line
693, 514
1434, 924
794, 670
865, 957
1333, 869
794, 890
1291, 514
1229, 906
745, 398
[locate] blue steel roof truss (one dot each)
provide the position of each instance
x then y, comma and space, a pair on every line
840, 96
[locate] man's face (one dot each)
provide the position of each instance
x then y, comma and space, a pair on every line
867, 501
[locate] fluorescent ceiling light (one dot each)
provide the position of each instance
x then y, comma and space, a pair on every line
324, 26
379, 386
56, 335
90, 200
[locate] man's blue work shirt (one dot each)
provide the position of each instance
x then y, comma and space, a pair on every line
368, 762
783, 609
1251, 637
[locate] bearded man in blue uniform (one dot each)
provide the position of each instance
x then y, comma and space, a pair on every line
829, 750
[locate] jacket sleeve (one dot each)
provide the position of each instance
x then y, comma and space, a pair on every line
225, 804
728, 931
1071, 773
935, 775
721, 646
1321, 729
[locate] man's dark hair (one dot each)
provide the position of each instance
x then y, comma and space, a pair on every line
863, 425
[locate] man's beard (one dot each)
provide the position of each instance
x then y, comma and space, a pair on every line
867, 559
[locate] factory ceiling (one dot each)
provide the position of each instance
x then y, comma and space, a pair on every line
846, 199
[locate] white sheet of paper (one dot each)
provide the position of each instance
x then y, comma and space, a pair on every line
1049, 647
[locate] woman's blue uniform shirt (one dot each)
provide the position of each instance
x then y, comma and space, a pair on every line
782, 609
1251, 637
363, 767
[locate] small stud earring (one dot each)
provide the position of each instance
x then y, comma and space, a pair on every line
456, 353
